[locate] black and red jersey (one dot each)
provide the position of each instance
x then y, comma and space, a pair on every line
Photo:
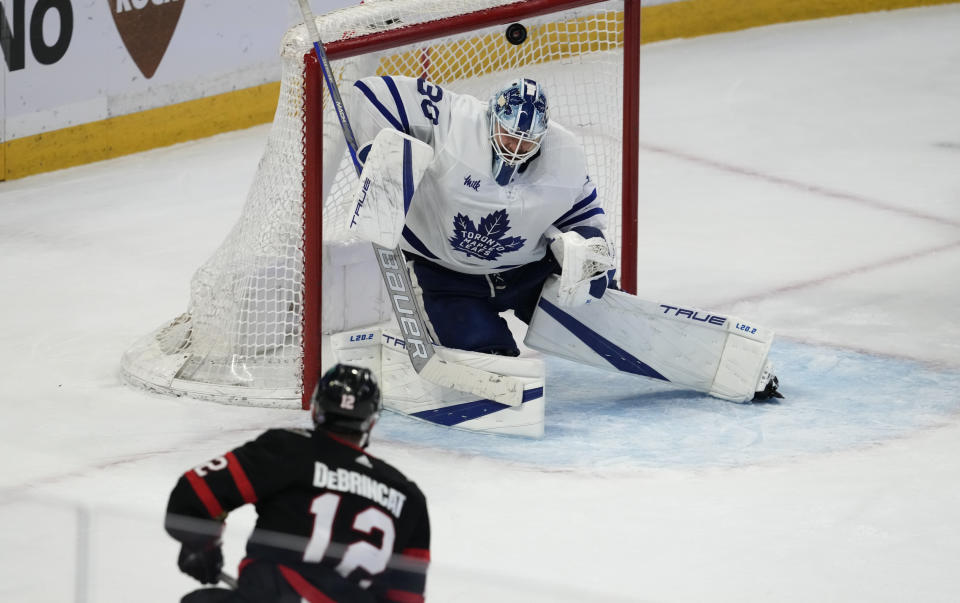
329, 515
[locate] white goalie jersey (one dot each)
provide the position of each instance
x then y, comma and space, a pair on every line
459, 217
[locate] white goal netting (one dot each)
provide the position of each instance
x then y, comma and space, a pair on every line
241, 338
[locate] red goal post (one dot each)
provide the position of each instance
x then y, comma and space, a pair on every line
253, 330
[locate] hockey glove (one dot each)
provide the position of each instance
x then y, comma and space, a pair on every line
587, 268
202, 563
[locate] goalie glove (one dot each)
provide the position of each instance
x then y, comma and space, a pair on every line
586, 267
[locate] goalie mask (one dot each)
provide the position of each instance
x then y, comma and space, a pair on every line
347, 400
518, 121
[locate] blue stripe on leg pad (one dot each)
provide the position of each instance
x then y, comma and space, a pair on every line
619, 358
459, 413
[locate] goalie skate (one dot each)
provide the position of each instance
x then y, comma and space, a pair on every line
768, 385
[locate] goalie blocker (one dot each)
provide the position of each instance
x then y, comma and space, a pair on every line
394, 164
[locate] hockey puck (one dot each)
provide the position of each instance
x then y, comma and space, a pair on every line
516, 34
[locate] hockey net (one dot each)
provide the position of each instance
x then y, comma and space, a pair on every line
253, 322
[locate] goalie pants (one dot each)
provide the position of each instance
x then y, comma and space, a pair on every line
464, 309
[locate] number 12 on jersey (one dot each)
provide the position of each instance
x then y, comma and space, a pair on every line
357, 554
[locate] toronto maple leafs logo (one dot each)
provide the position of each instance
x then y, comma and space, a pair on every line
485, 241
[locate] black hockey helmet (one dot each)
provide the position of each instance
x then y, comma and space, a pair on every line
347, 400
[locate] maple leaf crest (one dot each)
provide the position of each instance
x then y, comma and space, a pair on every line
486, 241
463, 224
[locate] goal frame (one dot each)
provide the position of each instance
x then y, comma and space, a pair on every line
312, 335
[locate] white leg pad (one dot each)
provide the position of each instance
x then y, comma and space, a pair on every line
359, 348
351, 272
716, 354
405, 392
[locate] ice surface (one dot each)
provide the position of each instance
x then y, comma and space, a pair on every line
803, 175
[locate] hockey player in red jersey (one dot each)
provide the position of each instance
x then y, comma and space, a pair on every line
333, 522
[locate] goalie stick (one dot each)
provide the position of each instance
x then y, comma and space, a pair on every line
229, 580
423, 357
